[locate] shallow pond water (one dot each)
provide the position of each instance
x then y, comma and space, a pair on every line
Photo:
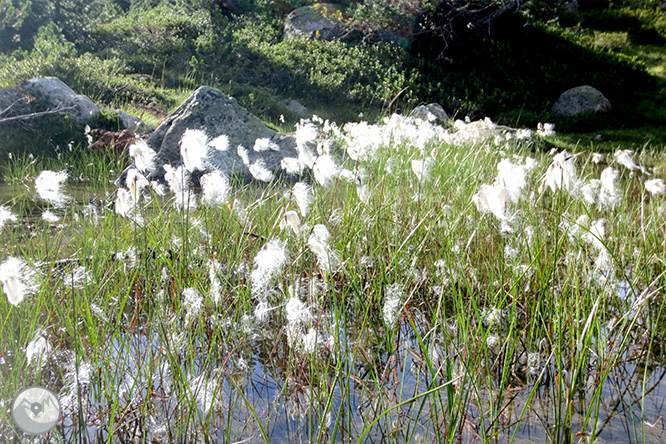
250, 386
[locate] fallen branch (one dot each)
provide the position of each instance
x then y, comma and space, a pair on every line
57, 110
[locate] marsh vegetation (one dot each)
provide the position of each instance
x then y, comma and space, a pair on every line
413, 284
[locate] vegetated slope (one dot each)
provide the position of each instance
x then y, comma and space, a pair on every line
512, 70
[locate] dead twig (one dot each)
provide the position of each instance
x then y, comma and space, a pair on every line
58, 110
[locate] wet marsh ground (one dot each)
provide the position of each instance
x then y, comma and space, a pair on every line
417, 285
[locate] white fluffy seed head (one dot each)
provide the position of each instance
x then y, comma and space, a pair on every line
302, 192
49, 187
291, 220
18, 280
512, 177
325, 170
265, 144
493, 199
124, 203
136, 182
215, 189
143, 155
260, 172
268, 262
393, 296
6, 215
194, 149
220, 143
561, 173
38, 348
655, 187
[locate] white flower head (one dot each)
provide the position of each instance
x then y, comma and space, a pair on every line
243, 154
192, 303
291, 220
325, 170
596, 234
136, 182
124, 203
305, 157
18, 280
265, 144
393, 297
318, 243
261, 311
49, 186
260, 172
654, 186
310, 340
493, 199
512, 177
215, 189
422, 169
306, 132
561, 173
303, 194
268, 262
143, 155
546, 129
598, 158
220, 143
178, 180
608, 194
50, 217
38, 348
291, 165
297, 311
6, 215
624, 158
194, 149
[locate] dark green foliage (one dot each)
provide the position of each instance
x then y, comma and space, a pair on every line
521, 65
48, 135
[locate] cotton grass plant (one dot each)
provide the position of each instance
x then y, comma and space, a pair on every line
473, 291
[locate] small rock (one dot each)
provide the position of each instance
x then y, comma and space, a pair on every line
55, 93
581, 100
133, 123
433, 112
299, 109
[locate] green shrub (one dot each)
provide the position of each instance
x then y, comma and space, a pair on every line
53, 55
153, 40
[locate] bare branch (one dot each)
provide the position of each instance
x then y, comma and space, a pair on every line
58, 110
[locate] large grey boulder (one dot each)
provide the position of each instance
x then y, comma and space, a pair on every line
581, 100
217, 114
312, 22
56, 94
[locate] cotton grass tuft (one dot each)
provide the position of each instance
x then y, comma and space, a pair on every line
49, 186
18, 280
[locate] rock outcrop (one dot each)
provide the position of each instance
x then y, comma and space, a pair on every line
312, 22
217, 114
581, 100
